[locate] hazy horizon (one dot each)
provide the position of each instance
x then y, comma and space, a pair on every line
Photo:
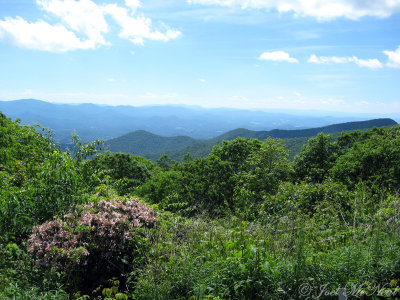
299, 112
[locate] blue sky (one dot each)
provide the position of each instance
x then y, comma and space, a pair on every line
326, 55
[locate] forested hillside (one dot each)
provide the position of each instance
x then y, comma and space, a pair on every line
282, 134
244, 222
145, 143
153, 146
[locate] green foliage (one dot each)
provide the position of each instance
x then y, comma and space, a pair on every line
195, 186
229, 258
125, 171
306, 197
265, 168
165, 162
372, 157
37, 180
294, 146
54, 188
234, 178
20, 278
82, 150
236, 152
164, 188
112, 293
316, 158
22, 143
210, 184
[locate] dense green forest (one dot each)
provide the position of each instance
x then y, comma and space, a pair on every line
244, 222
146, 143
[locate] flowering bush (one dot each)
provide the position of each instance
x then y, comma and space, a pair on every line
98, 236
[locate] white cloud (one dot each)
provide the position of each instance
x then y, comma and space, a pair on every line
327, 60
368, 63
202, 80
83, 16
136, 29
111, 79
133, 5
320, 9
393, 58
278, 56
80, 24
41, 36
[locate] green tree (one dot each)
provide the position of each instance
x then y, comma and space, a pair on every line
373, 158
213, 184
266, 168
37, 181
82, 150
126, 171
165, 189
165, 162
236, 152
208, 185
316, 158
22, 146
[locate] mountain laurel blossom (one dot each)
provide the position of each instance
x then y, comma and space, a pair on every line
97, 231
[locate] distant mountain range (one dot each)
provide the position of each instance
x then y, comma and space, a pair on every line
93, 121
152, 146
176, 130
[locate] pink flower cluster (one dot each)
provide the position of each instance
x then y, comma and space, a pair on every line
101, 230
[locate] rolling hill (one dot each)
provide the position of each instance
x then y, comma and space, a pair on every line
152, 146
144, 143
309, 132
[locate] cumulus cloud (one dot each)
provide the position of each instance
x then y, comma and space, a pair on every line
320, 9
393, 58
278, 56
368, 63
41, 36
81, 24
83, 17
136, 29
133, 5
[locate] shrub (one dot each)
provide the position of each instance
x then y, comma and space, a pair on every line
312, 164
93, 243
125, 171
307, 197
54, 187
373, 159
